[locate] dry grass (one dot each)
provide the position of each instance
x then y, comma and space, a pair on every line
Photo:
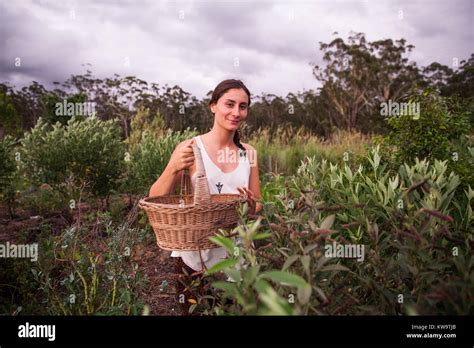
283, 151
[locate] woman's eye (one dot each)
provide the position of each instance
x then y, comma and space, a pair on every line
242, 107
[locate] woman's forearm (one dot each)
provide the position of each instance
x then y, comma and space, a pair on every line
166, 183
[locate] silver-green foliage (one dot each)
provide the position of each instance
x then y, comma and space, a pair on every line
88, 152
417, 239
147, 159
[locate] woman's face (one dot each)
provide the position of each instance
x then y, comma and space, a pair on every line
231, 109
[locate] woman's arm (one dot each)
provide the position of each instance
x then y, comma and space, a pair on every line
166, 183
254, 181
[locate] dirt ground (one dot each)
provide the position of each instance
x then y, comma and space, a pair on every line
159, 268
160, 294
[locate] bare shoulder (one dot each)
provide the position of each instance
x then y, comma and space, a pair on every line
249, 147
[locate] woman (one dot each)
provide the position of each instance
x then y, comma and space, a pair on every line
231, 166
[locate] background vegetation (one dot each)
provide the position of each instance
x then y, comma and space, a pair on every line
332, 168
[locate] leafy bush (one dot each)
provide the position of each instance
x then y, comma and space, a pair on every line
416, 232
10, 120
18, 288
250, 288
142, 122
76, 276
148, 159
440, 132
50, 102
86, 152
45, 200
8, 172
416, 238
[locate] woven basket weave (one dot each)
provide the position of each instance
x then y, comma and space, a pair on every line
184, 221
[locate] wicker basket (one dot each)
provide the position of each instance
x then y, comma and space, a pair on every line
184, 221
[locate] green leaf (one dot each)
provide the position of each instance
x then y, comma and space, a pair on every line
321, 293
274, 302
322, 261
305, 261
221, 265
289, 261
250, 274
328, 222
261, 236
285, 278
228, 287
310, 247
335, 267
256, 224
224, 242
234, 274
304, 294
261, 285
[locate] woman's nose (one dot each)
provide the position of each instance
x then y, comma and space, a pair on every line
237, 111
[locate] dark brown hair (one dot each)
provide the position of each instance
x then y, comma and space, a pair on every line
219, 91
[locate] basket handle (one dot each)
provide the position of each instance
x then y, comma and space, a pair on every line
201, 189
185, 188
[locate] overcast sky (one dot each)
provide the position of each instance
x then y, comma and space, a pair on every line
196, 44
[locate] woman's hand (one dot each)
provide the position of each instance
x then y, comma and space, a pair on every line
182, 157
250, 199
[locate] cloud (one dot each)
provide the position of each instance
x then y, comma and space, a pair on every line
195, 44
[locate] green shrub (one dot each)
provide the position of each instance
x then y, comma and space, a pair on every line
19, 291
415, 232
9, 180
440, 132
143, 122
80, 274
148, 159
52, 101
416, 228
87, 153
10, 120
44, 200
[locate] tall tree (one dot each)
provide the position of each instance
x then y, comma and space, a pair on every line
359, 75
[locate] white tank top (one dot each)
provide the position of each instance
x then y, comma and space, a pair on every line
219, 183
